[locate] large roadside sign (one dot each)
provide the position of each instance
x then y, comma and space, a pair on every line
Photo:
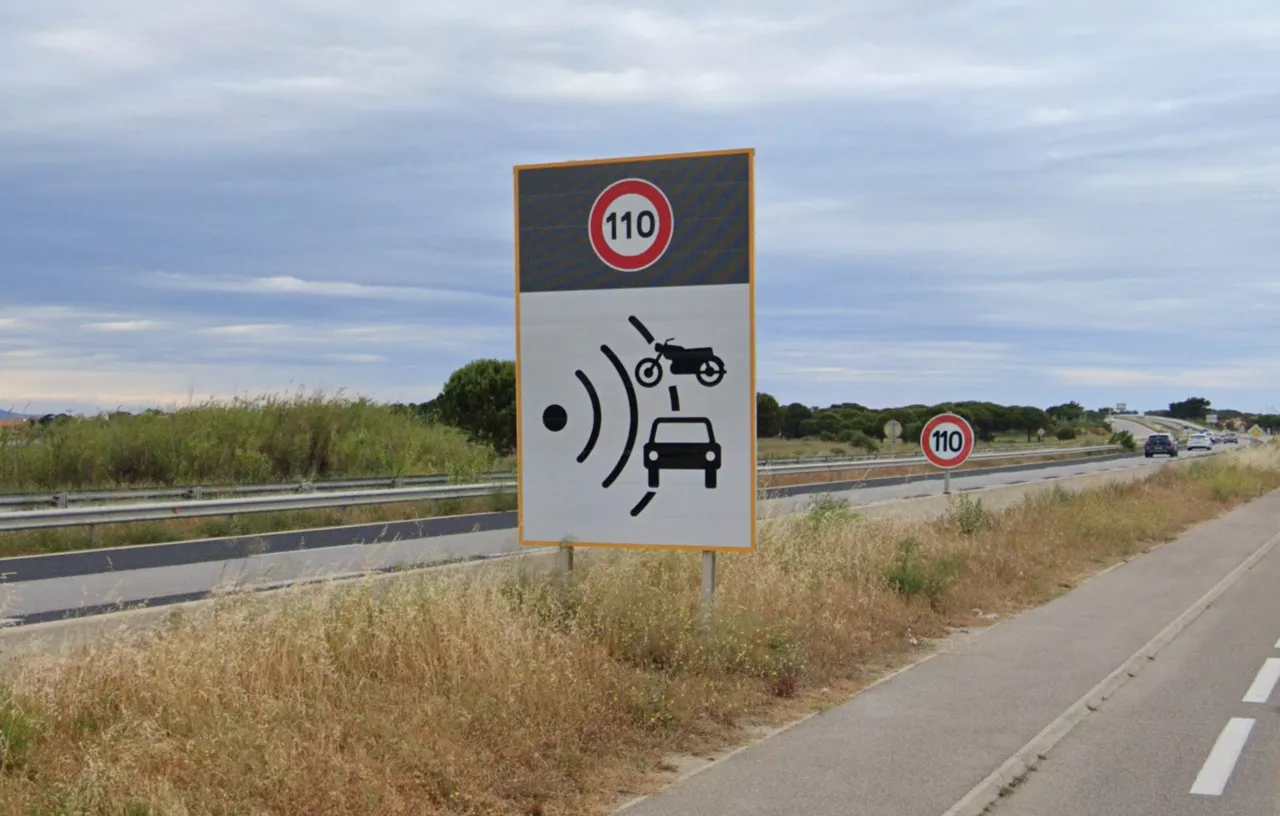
635, 361
947, 440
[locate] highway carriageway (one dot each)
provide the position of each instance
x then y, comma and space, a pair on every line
41, 588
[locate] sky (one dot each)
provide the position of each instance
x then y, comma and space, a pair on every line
1022, 202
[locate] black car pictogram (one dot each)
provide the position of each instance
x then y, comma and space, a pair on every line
682, 443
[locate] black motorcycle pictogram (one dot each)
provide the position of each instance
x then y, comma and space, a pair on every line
700, 362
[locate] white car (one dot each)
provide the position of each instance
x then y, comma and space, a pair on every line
1199, 441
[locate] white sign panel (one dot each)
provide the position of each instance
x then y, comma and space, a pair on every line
636, 358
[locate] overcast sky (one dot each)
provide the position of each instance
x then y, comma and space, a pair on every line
1023, 202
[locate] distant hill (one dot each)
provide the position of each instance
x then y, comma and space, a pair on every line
5, 415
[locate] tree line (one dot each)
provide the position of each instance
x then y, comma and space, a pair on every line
1197, 409
480, 398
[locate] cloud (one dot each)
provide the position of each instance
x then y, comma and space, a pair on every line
255, 331
1236, 376
886, 362
357, 358
125, 326
952, 199
289, 285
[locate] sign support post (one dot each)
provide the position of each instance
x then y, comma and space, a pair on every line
708, 582
564, 561
946, 483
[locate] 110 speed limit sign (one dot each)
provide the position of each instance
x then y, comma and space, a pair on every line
947, 440
631, 224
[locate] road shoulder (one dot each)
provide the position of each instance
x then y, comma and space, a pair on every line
921, 741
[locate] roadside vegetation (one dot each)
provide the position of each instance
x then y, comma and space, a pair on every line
496, 689
467, 430
244, 441
71, 539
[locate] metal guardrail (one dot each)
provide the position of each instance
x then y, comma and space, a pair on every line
63, 499
920, 460
168, 511
42, 519
66, 499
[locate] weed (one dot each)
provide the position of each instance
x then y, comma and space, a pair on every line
912, 574
827, 509
19, 731
1124, 439
967, 514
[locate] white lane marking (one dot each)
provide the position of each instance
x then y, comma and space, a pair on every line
1265, 682
1278, 644
1213, 776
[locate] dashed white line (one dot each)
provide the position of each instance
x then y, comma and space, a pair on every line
1213, 776
1265, 682
1278, 644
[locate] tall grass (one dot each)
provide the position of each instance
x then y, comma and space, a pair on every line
247, 440
496, 690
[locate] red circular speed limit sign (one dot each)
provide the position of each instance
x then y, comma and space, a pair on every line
947, 440
631, 224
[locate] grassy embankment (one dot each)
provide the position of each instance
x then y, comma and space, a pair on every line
280, 440
496, 690
274, 439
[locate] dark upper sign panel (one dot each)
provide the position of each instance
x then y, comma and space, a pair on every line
710, 241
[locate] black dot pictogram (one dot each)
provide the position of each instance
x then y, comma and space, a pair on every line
555, 418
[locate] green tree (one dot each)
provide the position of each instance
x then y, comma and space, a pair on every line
1194, 408
1067, 412
1030, 420
793, 420
480, 398
768, 416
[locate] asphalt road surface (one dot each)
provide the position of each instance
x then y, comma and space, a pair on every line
1196, 733
33, 601
919, 743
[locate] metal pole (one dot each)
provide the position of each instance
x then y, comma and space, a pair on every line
708, 581
946, 482
564, 561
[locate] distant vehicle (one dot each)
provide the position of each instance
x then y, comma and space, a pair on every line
1230, 438
1200, 442
1160, 443
682, 443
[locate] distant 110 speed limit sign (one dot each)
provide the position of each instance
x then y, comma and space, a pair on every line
947, 440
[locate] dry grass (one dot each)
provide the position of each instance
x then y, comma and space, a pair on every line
497, 690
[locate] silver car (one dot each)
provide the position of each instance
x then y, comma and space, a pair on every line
1199, 442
